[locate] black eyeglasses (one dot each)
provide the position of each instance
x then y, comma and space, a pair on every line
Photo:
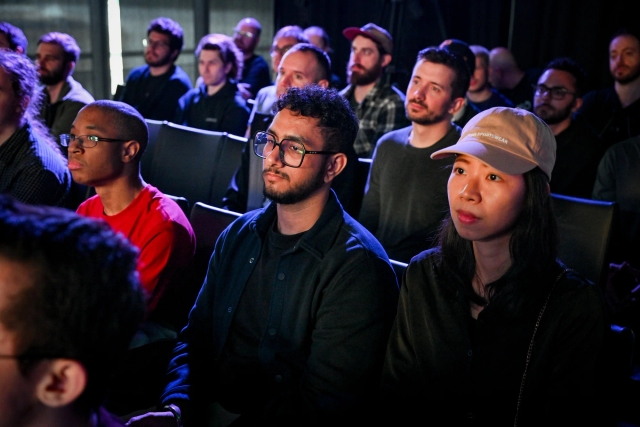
91, 140
154, 44
556, 92
291, 152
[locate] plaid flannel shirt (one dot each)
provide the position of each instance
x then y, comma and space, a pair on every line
381, 111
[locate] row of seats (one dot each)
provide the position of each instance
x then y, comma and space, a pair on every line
193, 163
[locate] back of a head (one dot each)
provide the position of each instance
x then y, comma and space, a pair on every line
24, 81
291, 31
321, 33
572, 67
171, 29
336, 119
70, 49
126, 120
15, 37
323, 70
502, 57
460, 83
83, 300
229, 52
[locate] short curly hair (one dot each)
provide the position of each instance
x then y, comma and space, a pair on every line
339, 124
170, 28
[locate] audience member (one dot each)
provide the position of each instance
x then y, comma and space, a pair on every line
405, 198
303, 64
155, 88
460, 48
614, 112
284, 39
556, 97
56, 58
491, 329
292, 322
106, 143
70, 303
12, 38
379, 106
617, 181
480, 94
509, 79
319, 37
32, 168
216, 104
255, 70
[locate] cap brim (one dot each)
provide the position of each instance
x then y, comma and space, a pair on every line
353, 32
495, 157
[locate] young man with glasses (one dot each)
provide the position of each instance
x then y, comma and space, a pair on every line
292, 322
556, 97
70, 303
105, 146
154, 89
255, 71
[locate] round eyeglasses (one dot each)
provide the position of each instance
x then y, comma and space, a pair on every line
291, 152
275, 50
244, 34
85, 141
154, 44
556, 92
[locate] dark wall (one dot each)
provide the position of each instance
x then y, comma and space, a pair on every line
539, 31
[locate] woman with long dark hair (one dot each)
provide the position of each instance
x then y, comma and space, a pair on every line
491, 328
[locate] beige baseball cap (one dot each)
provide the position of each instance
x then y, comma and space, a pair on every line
373, 32
511, 140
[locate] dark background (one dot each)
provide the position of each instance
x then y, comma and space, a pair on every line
535, 31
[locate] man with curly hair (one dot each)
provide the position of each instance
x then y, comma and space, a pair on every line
292, 322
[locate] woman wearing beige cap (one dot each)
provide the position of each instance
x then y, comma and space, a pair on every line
491, 328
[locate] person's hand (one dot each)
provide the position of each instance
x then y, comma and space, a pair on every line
153, 419
243, 88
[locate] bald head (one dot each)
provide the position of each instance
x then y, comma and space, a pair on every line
504, 72
246, 35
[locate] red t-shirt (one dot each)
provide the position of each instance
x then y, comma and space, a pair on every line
156, 225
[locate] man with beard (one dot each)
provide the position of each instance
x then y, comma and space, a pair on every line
406, 193
614, 112
557, 96
378, 105
56, 58
480, 94
292, 322
154, 89
303, 64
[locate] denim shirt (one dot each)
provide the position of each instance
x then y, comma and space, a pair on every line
333, 302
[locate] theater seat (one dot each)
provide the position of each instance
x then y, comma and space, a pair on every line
154, 127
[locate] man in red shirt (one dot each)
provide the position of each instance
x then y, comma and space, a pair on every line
106, 144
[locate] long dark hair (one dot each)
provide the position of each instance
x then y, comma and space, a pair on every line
533, 249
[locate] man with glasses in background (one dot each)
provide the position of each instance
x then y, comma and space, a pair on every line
155, 88
255, 71
106, 143
291, 324
557, 96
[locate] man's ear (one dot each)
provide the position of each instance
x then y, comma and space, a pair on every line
335, 164
324, 83
62, 382
386, 60
456, 105
129, 150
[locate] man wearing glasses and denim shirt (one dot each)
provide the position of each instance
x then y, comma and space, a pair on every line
106, 143
556, 97
154, 89
291, 324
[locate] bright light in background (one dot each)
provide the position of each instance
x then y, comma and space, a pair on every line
115, 44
